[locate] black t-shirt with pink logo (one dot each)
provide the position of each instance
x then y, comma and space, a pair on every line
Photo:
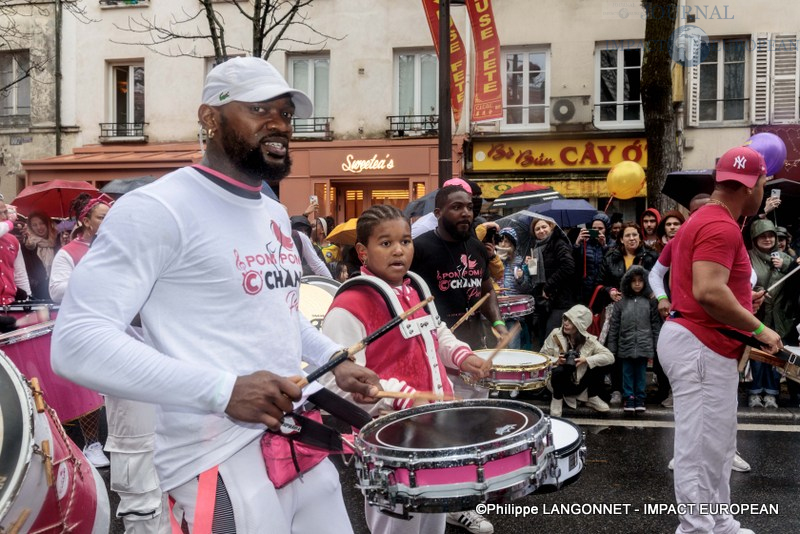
455, 272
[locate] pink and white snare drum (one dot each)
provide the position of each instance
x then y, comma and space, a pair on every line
29, 349
513, 370
46, 484
570, 454
512, 306
448, 457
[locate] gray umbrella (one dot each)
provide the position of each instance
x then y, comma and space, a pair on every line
125, 185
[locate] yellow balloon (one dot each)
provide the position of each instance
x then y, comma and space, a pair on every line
625, 180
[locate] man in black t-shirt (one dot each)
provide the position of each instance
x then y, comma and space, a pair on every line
454, 264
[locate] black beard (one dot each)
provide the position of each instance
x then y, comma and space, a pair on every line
250, 161
454, 232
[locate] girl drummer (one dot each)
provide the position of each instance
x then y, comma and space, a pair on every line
409, 365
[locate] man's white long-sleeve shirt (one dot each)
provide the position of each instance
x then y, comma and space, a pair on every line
215, 279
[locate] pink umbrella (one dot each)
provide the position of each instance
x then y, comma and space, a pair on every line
52, 198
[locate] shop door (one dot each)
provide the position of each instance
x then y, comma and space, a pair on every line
355, 197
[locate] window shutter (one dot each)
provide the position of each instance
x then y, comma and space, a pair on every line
784, 79
759, 101
694, 95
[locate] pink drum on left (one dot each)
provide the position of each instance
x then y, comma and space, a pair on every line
48, 485
29, 349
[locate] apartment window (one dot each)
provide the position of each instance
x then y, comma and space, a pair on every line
312, 76
15, 84
126, 109
527, 91
618, 90
417, 82
722, 82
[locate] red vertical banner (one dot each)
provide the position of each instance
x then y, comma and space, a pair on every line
487, 87
458, 58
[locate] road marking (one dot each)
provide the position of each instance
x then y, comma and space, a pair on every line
669, 424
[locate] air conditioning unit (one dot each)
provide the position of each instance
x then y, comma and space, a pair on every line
571, 109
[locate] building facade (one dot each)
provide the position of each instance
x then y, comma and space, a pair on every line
571, 99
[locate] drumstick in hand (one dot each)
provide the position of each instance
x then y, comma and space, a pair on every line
416, 395
501, 345
345, 354
470, 312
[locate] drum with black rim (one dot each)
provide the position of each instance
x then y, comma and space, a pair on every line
449, 457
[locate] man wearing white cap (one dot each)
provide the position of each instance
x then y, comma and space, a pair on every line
711, 292
209, 264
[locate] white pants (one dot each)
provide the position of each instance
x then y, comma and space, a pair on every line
704, 386
380, 523
308, 505
131, 439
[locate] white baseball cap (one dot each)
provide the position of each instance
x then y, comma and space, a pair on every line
251, 79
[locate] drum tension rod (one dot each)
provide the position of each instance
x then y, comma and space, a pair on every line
16, 526
38, 399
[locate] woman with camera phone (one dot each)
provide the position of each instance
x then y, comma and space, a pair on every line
770, 265
581, 362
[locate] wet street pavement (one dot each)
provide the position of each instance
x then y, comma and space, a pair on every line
627, 466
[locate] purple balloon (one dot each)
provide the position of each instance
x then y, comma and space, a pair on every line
772, 148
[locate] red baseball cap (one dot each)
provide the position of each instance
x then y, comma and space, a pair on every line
741, 164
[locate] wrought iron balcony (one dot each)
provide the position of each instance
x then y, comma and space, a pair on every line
316, 127
413, 125
119, 132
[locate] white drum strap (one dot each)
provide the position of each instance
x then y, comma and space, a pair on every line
410, 327
422, 326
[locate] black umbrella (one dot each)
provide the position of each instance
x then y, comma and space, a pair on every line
682, 186
421, 206
125, 185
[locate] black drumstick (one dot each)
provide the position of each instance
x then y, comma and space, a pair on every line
345, 354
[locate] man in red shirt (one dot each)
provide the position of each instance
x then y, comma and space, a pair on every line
710, 283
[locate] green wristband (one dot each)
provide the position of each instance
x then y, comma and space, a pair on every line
758, 330
499, 323
661, 297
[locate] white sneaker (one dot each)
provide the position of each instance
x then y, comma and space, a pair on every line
755, 402
616, 398
556, 407
739, 464
671, 464
770, 401
572, 402
471, 522
597, 404
94, 453
668, 402
745, 531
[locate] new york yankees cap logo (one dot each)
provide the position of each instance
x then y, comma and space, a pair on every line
741, 164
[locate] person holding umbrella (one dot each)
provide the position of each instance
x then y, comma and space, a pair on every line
551, 268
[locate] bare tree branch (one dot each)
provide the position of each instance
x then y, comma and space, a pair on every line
269, 21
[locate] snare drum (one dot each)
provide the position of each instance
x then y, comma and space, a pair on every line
449, 457
512, 306
46, 484
513, 370
316, 296
570, 454
29, 349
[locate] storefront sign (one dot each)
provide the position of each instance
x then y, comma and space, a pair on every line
555, 155
487, 90
375, 163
